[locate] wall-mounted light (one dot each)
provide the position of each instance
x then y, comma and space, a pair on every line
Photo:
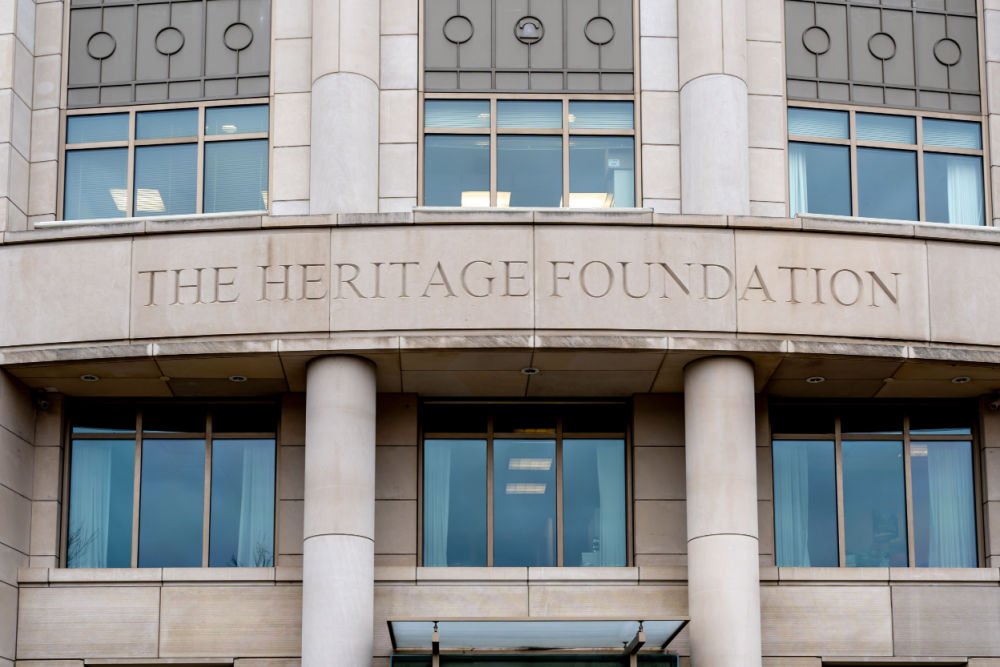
90, 377
815, 379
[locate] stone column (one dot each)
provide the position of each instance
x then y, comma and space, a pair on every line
338, 573
712, 67
344, 156
723, 566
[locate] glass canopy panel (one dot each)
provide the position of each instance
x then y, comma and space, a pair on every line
530, 634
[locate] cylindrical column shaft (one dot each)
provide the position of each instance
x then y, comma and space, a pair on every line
723, 565
338, 572
712, 62
344, 152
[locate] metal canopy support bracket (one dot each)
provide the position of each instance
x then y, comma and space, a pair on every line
633, 647
435, 647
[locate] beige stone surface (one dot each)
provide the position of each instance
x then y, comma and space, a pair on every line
45, 528
607, 600
991, 473
8, 620
226, 621
242, 306
396, 473
15, 520
293, 420
16, 460
398, 116
444, 601
660, 527
826, 620
844, 265
290, 514
960, 275
993, 530
267, 662
588, 287
88, 622
396, 420
46, 473
659, 473
88, 279
946, 620
395, 526
291, 118
443, 253
10, 561
291, 473
658, 420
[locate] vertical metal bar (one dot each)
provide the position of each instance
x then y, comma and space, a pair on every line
565, 152
66, 451
489, 492
130, 178
921, 193
629, 497
908, 492
199, 197
136, 489
560, 546
839, 466
493, 152
207, 497
854, 163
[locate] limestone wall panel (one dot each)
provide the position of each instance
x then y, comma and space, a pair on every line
826, 620
60, 292
220, 621
946, 620
964, 303
93, 622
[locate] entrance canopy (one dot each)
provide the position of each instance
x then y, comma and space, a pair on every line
532, 635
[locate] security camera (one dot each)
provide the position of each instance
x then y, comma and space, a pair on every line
42, 400
994, 405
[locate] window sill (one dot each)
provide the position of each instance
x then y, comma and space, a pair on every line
156, 575
863, 575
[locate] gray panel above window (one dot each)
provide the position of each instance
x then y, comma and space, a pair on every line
136, 51
898, 53
528, 46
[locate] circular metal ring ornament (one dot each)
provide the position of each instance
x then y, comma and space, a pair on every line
458, 29
816, 40
599, 31
882, 46
529, 30
101, 45
169, 41
947, 52
237, 37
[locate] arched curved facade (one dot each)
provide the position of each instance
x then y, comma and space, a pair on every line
348, 332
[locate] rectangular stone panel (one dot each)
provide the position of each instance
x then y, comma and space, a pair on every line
946, 620
607, 601
80, 292
964, 303
209, 284
830, 285
221, 621
826, 620
454, 277
88, 622
634, 278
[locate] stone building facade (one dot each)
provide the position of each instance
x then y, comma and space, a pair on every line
420, 332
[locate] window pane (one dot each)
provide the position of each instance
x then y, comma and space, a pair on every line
954, 188
887, 184
242, 522
242, 119
874, 504
455, 503
594, 503
944, 514
236, 176
805, 503
96, 184
881, 127
102, 474
456, 170
165, 179
529, 171
524, 503
457, 113
819, 179
529, 114
91, 129
589, 115
952, 133
802, 419
455, 418
171, 503
601, 172
818, 123
872, 418
166, 124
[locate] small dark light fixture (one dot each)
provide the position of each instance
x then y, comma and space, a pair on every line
530, 371
815, 379
961, 379
237, 378
164, 378
90, 377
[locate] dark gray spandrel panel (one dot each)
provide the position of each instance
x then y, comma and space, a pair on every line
548, 53
963, 75
579, 45
832, 64
478, 50
906, 53
125, 51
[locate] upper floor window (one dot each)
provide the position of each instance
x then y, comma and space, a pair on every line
901, 166
208, 158
577, 153
873, 487
171, 486
511, 485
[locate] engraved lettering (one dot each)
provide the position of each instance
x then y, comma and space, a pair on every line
756, 282
649, 280
706, 293
266, 283
609, 277
438, 279
309, 280
151, 299
893, 294
819, 287
669, 273
349, 281
488, 279
403, 266
510, 277
556, 276
222, 281
179, 286
836, 291
792, 291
